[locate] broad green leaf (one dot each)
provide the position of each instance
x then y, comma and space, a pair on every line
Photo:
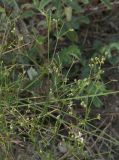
74, 4
107, 3
72, 35
58, 9
84, 20
96, 88
67, 55
36, 3
85, 71
86, 1
28, 14
40, 40
106, 50
97, 102
2, 10
114, 60
114, 45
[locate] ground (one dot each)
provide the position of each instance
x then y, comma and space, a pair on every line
45, 63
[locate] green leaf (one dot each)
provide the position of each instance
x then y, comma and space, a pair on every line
36, 3
40, 40
72, 35
59, 9
97, 102
114, 45
96, 88
85, 71
84, 20
106, 50
67, 55
73, 4
107, 3
28, 14
2, 10
86, 1
114, 60
43, 3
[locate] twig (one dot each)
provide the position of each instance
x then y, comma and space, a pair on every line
64, 156
102, 133
97, 149
14, 49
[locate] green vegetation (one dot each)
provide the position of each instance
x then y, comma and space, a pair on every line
52, 75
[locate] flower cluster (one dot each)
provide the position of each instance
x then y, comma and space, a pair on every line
76, 135
96, 61
83, 104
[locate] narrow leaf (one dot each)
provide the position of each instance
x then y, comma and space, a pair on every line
43, 3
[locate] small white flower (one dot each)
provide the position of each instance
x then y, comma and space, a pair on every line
81, 139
